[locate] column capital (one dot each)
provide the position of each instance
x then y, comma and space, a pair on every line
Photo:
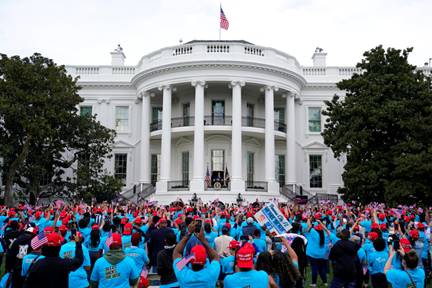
236, 83
167, 87
290, 94
144, 93
196, 83
269, 88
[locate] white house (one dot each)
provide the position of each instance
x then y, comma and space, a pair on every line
188, 114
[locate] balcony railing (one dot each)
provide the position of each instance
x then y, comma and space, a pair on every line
257, 186
182, 121
178, 185
280, 126
156, 125
218, 187
253, 122
218, 120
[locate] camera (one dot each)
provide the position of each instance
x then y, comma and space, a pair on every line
198, 226
393, 239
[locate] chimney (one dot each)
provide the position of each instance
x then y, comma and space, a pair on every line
117, 56
319, 57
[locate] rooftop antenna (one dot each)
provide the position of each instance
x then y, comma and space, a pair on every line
181, 41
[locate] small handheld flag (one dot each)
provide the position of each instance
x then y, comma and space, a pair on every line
38, 240
183, 262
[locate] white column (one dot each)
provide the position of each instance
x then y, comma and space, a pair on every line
197, 182
270, 140
290, 159
162, 185
237, 182
145, 138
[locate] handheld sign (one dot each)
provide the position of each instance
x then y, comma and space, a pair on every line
270, 217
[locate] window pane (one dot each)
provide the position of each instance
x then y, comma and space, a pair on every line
185, 167
120, 166
218, 160
314, 119
280, 168
86, 111
122, 118
250, 168
315, 171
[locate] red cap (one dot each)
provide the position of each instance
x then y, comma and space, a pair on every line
127, 230
329, 212
200, 254
116, 239
38, 214
234, 245
420, 226
248, 214
381, 216
245, 256
383, 226
124, 220
195, 217
373, 236
406, 218
63, 228
95, 227
375, 226
48, 230
317, 216
178, 221
54, 240
138, 220
228, 225
319, 227
414, 234
405, 244
11, 213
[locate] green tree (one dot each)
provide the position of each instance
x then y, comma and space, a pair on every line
41, 133
383, 126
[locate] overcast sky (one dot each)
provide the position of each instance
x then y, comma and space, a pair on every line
85, 31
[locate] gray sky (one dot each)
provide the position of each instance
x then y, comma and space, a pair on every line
85, 31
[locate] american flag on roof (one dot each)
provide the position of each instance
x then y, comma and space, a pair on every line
38, 240
224, 24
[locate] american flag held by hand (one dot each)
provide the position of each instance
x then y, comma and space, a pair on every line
224, 24
109, 240
38, 240
183, 262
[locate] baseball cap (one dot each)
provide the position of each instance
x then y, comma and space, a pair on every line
414, 234
116, 239
234, 245
249, 220
420, 225
200, 254
95, 227
138, 220
127, 230
373, 236
405, 244
245, 255
54, 240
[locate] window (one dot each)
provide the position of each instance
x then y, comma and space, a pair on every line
122, 118
314, 119
185, 168
280, 169
250, 168
86, 111
186, 114
279, 118
250, 115
156, 114
315, 171
218, 160
218, 112
120, 166
155, 168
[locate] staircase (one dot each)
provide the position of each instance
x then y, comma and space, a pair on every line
290, 191
137, 193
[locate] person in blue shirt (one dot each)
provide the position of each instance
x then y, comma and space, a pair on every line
138, 254
114, 269
6, 281
376, 262
227, 262
199, 272
259, 243
210, 235
317, 251
95, 245
410, 276
247, 276
77, 278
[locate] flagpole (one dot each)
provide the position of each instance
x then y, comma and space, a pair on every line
220, 7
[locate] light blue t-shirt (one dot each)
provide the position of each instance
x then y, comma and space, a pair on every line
114, 276
313, 249
227, 264
77, 278
367, 224
139, 255
377, 261
126, 241
400, 279
211, 238
205, 278
27, 261
250, 279
4, 280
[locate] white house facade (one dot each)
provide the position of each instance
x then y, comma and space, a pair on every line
216, 119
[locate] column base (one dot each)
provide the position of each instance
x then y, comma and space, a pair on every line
238, 186
162, 186
196, 185
273, 187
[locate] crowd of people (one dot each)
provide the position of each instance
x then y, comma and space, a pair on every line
213, 245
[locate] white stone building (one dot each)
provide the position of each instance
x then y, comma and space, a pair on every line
216, 106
